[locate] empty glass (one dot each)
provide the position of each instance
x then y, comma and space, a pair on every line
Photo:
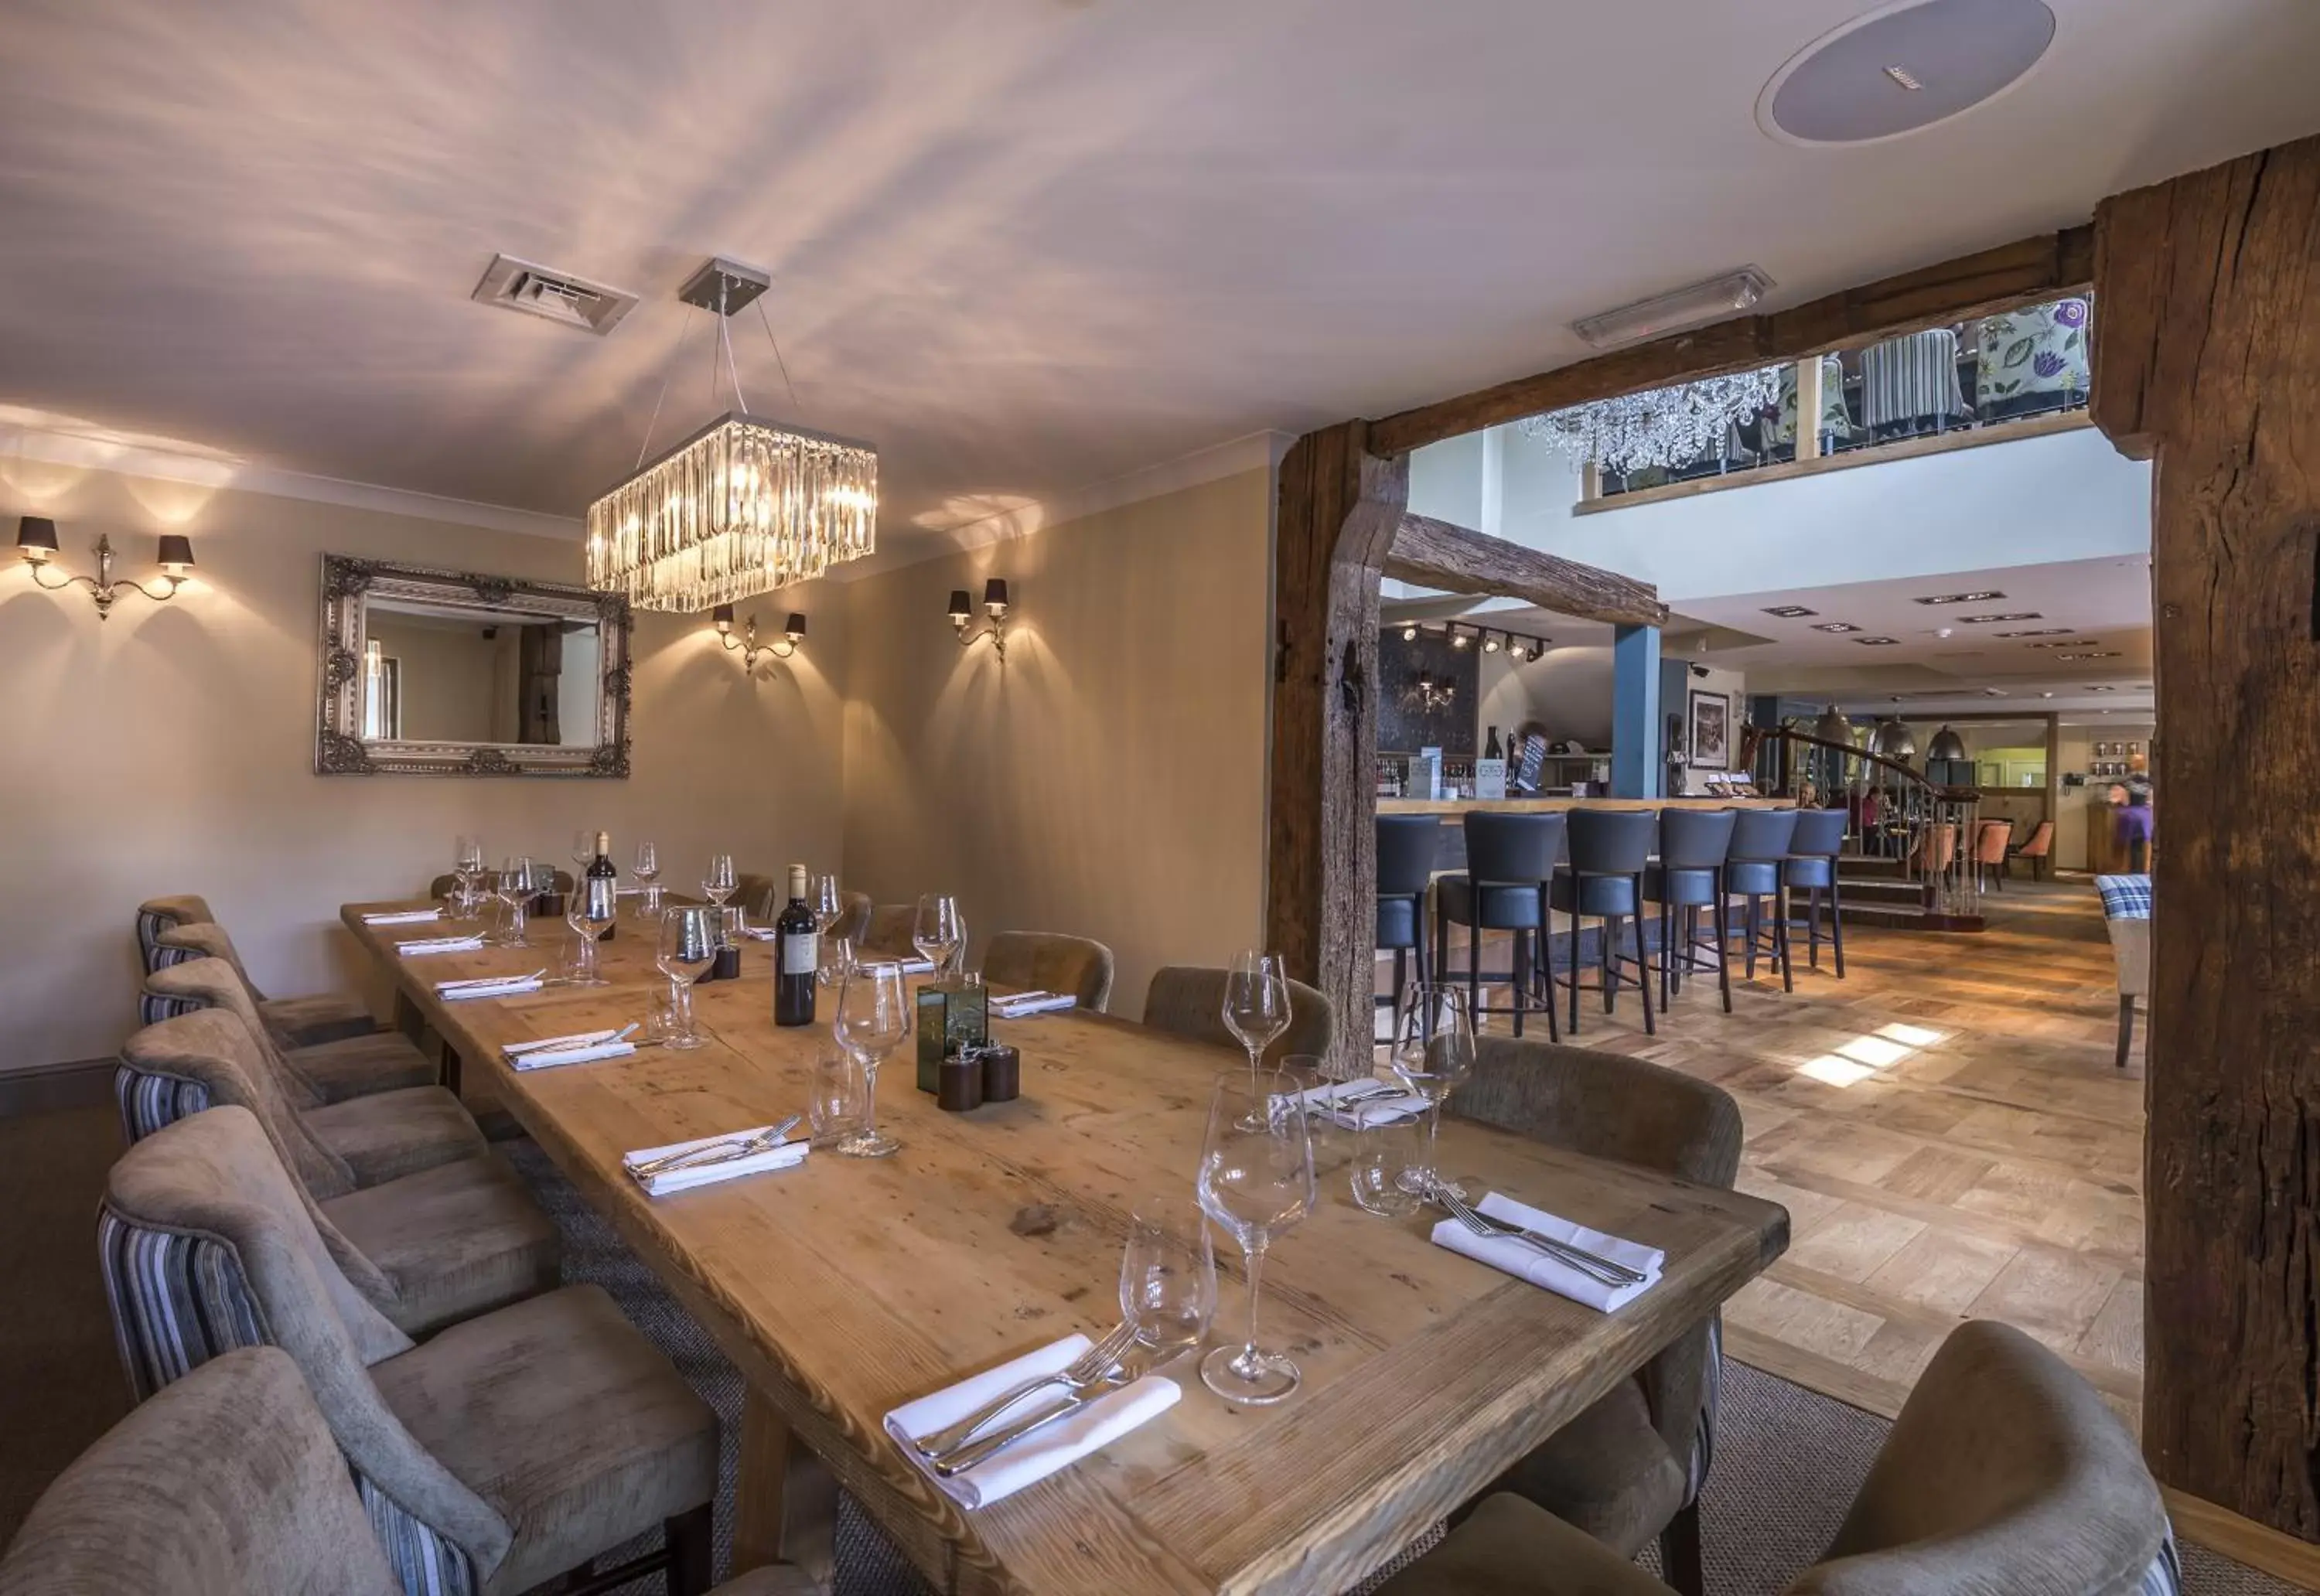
1257, 1004
939, 932
834, 1109
1389, 1156
689, 935
516, 885
1433, 1051
1168, 1276
595, 904
873, 1016
584, 851
1255, 1181
718, 883
647, 871
828, 904
466, 869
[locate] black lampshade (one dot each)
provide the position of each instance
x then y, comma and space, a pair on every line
1946, 745
960, 609
177, 552
796, 628
994, 596
38, 532
721, 618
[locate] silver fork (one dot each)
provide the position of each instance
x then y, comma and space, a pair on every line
950, 1465
718, 1152
1602, 1270
1082, 1371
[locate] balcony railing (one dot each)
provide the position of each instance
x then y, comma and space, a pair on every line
1982, 375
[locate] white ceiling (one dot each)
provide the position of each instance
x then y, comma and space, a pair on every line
1024, 245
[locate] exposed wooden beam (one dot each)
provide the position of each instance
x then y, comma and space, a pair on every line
2016, 274
1441, 554
2207, 357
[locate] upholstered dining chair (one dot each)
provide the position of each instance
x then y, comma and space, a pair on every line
2038, 848
194, 1061
887, 929
1989, 839
853, 921
2004, 1475
227, 1483
1189, 1001
1050, 961
1630, 1468
327, 1071
2127, 918
509, 1449
299, 1021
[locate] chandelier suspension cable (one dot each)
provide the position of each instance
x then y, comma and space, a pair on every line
796, 404
725, 337
667, 370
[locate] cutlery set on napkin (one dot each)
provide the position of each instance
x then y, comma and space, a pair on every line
419, 944
580, 1047
681, 1166
1022, 1005
1365, 1100
402, 917
489, 986
1602, 1271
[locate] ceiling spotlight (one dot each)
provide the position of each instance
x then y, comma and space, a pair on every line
1877, 642
1961, 598
1986, 620
1945, 632
1489, 644
1458, 640
1792, 611
2043, 632
2046, 695
1835, 626
1410, 633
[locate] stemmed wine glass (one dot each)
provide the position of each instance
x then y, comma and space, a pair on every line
718, 883
517, 884
689, 935
1257, 1004
1255, 1181
940, 930
466, 868
829, 906
1167, 1276
593, 906
647, 871
1433, 1051
582, 851
874, 1016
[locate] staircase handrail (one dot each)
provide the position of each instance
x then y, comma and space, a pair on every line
1939, 790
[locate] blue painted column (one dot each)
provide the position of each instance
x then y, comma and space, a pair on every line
1635, 765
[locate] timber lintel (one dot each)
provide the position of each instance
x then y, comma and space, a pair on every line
1441, 554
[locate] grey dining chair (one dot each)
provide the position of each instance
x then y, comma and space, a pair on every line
1630, 1468
299, 1021
1050, 961
227, 1483
511, 1449
887, 929
326, 1071
2004, 1475
1189, 1001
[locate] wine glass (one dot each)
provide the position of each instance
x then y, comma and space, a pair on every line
516, 887
593, 906
1167, 1275
1255, 1181
829, 906
718, 884
1433, 1051
647, 871
582, 851
689, 934
1257, 1004
834, 1109
939, 932
874, 1016
466, 869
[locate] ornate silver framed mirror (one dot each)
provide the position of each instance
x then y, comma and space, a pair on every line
427, 672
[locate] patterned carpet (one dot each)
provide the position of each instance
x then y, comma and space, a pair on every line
1787, 1461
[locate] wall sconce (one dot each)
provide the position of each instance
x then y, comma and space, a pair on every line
749, 647
36, 541
994, 605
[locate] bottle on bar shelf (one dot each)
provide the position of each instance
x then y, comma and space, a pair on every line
602, 886
797, 954
1491, 746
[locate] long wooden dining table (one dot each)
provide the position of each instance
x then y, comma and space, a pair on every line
844, 1287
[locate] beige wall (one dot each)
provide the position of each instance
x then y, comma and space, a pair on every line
448, 677
170, 749
1109, 778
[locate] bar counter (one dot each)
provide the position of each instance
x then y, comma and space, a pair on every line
1556, 805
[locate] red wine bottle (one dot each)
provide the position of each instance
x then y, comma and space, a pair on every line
601, 889
796, 951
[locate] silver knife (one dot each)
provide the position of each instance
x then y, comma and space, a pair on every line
975, 1452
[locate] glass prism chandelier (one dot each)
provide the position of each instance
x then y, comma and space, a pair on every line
745, 505
1662, 427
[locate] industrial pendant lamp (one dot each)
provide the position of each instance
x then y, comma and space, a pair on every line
1946, 745
743, 506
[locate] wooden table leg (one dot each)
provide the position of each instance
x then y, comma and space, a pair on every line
784, 1500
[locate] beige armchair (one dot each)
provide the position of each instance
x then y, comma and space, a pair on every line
327, 1071
297, 1022
1189, 1000
1049, 961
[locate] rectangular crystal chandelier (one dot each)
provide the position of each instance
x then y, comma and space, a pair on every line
742, 507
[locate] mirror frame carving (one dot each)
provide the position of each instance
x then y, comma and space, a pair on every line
338, 748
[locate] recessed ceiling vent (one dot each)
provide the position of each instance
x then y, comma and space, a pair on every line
557, 295
1902, 67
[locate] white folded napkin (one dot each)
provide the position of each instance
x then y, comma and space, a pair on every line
1036, 1457
571, 1050
1372, 1110
452, 992
1026, 1005
402, 917
781, 1157
578, 1039
1526, 1262
909, 967
439, 944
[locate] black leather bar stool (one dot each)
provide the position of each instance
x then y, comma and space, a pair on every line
1812, 870
1610, 848
1510, 860
1688, 878
1753, 870
1406, 848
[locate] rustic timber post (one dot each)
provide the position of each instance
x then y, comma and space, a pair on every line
1339, 508
2208, 359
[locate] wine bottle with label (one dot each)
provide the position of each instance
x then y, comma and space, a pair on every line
602, 886
796, 952
1490, 746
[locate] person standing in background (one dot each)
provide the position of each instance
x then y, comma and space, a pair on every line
2135, 830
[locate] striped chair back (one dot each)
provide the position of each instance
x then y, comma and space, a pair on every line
156, 915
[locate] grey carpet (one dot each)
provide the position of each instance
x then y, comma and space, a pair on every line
1787, 1463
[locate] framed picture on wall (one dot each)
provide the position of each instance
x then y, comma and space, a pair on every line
1711, 731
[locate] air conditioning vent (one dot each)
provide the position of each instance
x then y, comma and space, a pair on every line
555, 295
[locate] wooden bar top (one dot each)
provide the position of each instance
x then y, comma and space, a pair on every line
1557, 805
845, 1287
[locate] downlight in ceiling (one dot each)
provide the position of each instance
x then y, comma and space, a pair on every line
555, 295
1902, 67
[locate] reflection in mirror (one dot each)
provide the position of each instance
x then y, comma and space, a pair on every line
435, 674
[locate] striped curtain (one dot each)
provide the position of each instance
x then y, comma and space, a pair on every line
1911, 378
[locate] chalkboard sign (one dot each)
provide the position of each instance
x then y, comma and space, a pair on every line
1406, 720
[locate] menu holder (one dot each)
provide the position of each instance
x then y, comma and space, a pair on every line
952, 1014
